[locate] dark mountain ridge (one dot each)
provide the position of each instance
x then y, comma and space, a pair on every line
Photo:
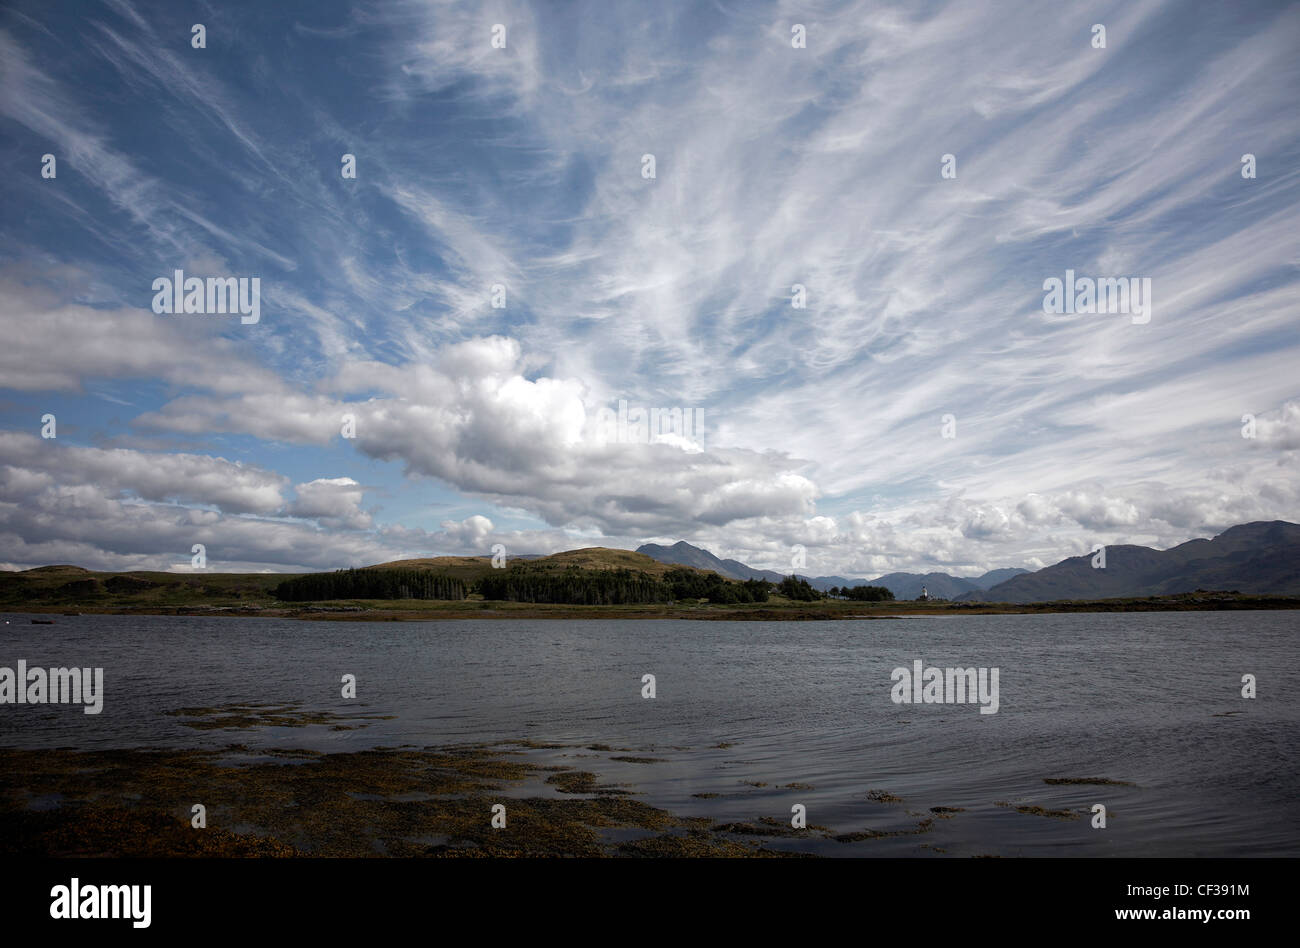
1259, 558
902, 585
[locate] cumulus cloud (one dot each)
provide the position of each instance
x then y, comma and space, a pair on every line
1280, 430
472, 533
333, 502
54, 344
988, 522
473, 420
1096, 511
30, 463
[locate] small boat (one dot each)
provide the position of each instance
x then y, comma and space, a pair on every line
42, 622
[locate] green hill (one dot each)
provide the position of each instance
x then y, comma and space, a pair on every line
469, 568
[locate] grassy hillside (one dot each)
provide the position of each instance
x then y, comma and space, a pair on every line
469, 568
72, 587
465, 568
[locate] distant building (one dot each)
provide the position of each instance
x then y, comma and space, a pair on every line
925, 595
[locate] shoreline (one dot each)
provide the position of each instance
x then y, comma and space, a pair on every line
434, 610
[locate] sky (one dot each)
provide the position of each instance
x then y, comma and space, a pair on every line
824, 232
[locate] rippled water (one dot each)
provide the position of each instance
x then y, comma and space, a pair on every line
1148, 698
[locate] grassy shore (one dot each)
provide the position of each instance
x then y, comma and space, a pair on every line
70, 589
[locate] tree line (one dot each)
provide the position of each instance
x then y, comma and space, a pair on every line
575, 586
571, 586
863, 593
798, 588
689, 584
370, 584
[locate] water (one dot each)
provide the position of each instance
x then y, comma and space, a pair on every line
1152, 699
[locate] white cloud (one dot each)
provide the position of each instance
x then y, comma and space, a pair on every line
333, 502
29, 462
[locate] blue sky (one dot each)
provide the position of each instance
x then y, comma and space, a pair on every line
522, 167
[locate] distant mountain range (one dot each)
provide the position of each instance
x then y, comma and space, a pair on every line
902, 585
1259, 558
